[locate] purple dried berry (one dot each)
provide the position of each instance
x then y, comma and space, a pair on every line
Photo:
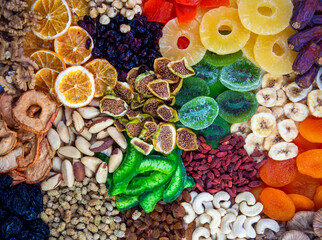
306, 80
306, 58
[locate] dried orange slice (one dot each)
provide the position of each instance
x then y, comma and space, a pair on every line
55, 18
104, 73
48, 59
31, 43
75, 87
78, 8
73, 46
45, 80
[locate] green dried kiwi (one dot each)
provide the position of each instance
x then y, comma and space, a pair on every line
136, 104
216, 131
141, 83
164, 140
199, 113
162, 71
222, 60
192, 87
171, 101
131, 114
134, 127
123, 91
119, 126
141, 146
139, 97
175, 87
210, 74
167, 114
186, 139
236, 107
149, 129
160, 88
131, 76
181, 68
241, 76
151, 106
113, 106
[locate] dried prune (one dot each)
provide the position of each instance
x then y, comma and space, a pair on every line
306, 58
3, 214
38, 226
306, 80
301, 39
302, 13
11, 226
5, 181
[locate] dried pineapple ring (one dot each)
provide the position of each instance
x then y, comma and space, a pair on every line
223, 19
169, 48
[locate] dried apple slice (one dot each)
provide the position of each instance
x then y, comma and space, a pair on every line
41, 121
7, 102
8, 138
17, 177
10, 161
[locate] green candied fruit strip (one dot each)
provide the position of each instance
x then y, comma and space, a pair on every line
135, 187
190, 182
126, 202
157, 163
148, 200
114, 189
222, 60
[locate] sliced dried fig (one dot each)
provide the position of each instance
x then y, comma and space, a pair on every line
134, 127
175, 87
181, 68
142, 146
131, 114
151, 106
163, 72
124, 91
131, 76
165, 138
7, 102
119, 126
186, 139
160, 88
135, 104
113, 106
167, 114
149, 129
11, 160
141, 83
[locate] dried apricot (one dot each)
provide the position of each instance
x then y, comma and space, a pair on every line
304, 145
303, 185
311, 129
278, 173
256, 191
301, 202
318, 198
310, 163
276, 204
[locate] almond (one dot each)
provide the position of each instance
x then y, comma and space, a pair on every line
78, 122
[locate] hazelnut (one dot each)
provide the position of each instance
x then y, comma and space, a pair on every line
93, 13
92, 4
112, 12
130, 3
129, 14
137, 9
104, 20
117, 4
101, 8
125, 28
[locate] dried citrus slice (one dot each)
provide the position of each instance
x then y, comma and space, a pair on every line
75, 46
55, 18
78, 8
31, 43
45, 79
105, 75
48, 59
75, 87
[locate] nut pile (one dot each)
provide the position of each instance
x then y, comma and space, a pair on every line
164, 223
227, 168
82, 212
213, 215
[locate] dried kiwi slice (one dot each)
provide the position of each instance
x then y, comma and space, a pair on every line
241, 76
151, 106
123, 91
141, 146
181, 68
216, 131
167, 114
192, 87
210, 74
113, 106
165, 138
160, 88
199, 113
236, 107
149, 129
141, 83
186, 139
162, 71
222, 60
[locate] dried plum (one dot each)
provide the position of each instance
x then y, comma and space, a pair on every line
38, 226
5, 181
11, 226
3, 214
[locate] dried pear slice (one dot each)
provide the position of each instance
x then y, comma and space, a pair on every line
142, 146
149, 129
171, 101
113, 106
11, 160
131, 76
133, 128
167, 114
181, 68
119, 126
131, 114
124, 91
141, 83
160, 88
186, 139
163, 72
165, 138
151, 106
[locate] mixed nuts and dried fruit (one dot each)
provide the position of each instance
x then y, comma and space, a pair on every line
160, 119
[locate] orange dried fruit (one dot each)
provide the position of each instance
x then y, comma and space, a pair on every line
304, 145
45, 80
310, 163
301, 202
55, 18
318, 198
278, 173
31, 43
303, 185
105, 75
78, 8
75, 46
311, 129
48, 59
277, 205
256, 191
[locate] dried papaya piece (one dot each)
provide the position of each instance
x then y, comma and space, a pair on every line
304, 145
310, 163
277, 205
311, 129
301, 202
318, 198
303, 185
278, 173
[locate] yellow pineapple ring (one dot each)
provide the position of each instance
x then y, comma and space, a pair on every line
265, 17
273, 54
248, 50
223, 19
172, 31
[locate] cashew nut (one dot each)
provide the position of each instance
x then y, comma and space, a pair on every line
218, 235
204, 218
225, 204
238, 228
226, 221
197, 203
190, 213
248, 225
222, 211
234, 209
247, 197
208, 205
200, 232
216, 218
267, 224
231, 235
251, 211
193, 195
220, 196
